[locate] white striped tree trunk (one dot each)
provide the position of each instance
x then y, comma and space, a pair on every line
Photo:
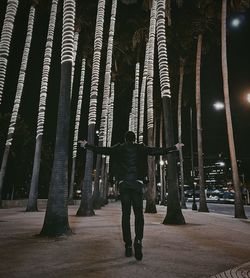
76, 38
142, 96
151, 190
5, 40
133, 117
174, 213
18, 96
56, 217
103, 127
136, 94
33, 193
109, 137
86, 206
131, 124
76, 131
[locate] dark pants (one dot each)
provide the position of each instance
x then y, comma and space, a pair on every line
131, 197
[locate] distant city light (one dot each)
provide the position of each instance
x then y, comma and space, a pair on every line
218, 105
221, 163
235, 22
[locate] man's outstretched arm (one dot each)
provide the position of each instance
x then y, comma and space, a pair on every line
162, 151
99, 150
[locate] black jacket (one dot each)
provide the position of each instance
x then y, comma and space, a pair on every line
129, 160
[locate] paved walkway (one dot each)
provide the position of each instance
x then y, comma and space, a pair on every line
207, 246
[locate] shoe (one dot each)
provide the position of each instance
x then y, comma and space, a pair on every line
138, 250
128, 250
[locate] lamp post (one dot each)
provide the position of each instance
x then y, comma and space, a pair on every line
194, 206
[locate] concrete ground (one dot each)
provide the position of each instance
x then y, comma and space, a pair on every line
207, 246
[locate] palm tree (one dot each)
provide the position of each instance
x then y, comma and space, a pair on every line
56, 217
151, 189
18, 97
203, 205
76, 131
5, 40
133, 117
174, 214
86, 206
71, 185
239, 211
33, 193
182, 64
103, 130
142, 96
109, 133
76, 38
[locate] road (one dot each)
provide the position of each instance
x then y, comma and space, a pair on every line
227, 209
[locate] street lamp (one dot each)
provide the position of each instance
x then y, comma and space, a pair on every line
235, 22
218, 105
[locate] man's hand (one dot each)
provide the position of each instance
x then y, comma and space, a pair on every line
179, 146
82, 143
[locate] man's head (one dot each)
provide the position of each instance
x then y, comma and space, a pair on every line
129, 136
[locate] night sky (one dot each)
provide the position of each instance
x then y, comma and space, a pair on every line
214, 124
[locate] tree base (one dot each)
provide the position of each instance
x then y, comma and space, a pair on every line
150, 208
31, 209
55, 230
174, 219
203, 208
85, 212
70, 202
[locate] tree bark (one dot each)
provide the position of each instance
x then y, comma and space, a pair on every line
239, 211
174, 213
203, 205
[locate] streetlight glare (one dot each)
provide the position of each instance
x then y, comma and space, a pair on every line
248, 97
218, 105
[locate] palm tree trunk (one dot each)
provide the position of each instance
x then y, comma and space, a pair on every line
33, 193
5, 40
182, 63
239, 211
97, 202
103, 130
56, 218
203, 205
174, 213
109, 135
76, 131
18, 96
162, 166
142, 96
151, 192
3, 169
136, 93
133, 118
86, 206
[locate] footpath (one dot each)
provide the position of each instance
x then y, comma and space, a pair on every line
210, 245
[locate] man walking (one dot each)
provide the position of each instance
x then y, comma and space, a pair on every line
130, 169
